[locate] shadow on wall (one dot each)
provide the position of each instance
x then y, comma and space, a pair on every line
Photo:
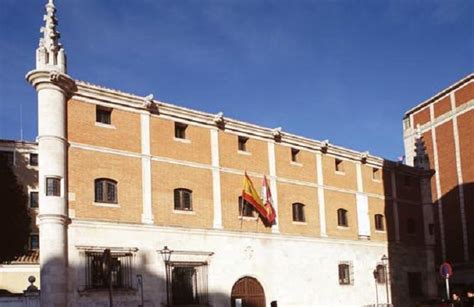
135, 285
410, 270
463, 273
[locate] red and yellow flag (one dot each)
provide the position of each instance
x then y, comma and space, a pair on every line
251, 196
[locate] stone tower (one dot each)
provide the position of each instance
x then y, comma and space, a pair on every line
54, 87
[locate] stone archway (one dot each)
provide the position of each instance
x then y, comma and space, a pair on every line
249, 291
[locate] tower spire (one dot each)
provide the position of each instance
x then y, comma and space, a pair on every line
50, 53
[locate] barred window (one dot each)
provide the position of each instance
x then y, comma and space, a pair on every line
33, 199
344, 274
8, 156
121, 270
105, 191
33, 159
298, 212
342, 217
245, 208
189, 283
379, 225
183, 199
53, 186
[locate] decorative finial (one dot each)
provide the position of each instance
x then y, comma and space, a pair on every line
324, 145
277, 133
150, 104
50, 53
219, 119
363, 156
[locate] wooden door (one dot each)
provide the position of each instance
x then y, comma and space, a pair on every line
250, 291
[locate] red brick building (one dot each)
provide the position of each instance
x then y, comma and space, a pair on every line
443, 126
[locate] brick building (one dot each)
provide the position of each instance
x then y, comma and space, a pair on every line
134, 175
444, 126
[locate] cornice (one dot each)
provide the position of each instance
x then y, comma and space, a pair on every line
439, 95
102, 94
41, 78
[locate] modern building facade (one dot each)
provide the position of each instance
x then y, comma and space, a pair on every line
159, 187
444, 125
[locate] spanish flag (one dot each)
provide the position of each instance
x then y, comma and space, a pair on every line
251, 196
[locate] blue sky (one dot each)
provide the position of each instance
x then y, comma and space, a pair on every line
339, 70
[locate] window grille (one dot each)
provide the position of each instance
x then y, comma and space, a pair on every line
53, 186
183, 199
33, 159
344, 274
342, 217
189, 283
298, 212
121, 267
105, 191
245, 209
8, 156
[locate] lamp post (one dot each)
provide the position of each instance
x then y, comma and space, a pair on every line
385, 269
166, 254
376, 277
140, 285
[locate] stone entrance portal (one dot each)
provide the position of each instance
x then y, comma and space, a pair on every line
247, 292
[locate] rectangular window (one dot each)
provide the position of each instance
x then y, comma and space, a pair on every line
103, 115
180, 130
339, 165
33, 199
344, 274
294, 154
8, 156
379, 225
243, 143
189, 283
121, 270
33, 159
298, 212
245, 209
183, 199
414, 284
34, 241
376, 173
53, 186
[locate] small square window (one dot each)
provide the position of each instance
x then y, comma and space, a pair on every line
339, 165
34, 241
379, 223
33, 199
243, 143
33, 159
103, 115
376, 173
53, 186
180, 130
298, 212
295, 155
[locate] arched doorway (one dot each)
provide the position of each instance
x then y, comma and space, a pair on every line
249, 291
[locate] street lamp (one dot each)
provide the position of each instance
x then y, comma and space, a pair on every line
166, 254
385, 267
376, 277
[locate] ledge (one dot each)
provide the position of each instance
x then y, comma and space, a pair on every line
102, 125
245, 153
186, 141
102, 291
109, 205
189, 212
